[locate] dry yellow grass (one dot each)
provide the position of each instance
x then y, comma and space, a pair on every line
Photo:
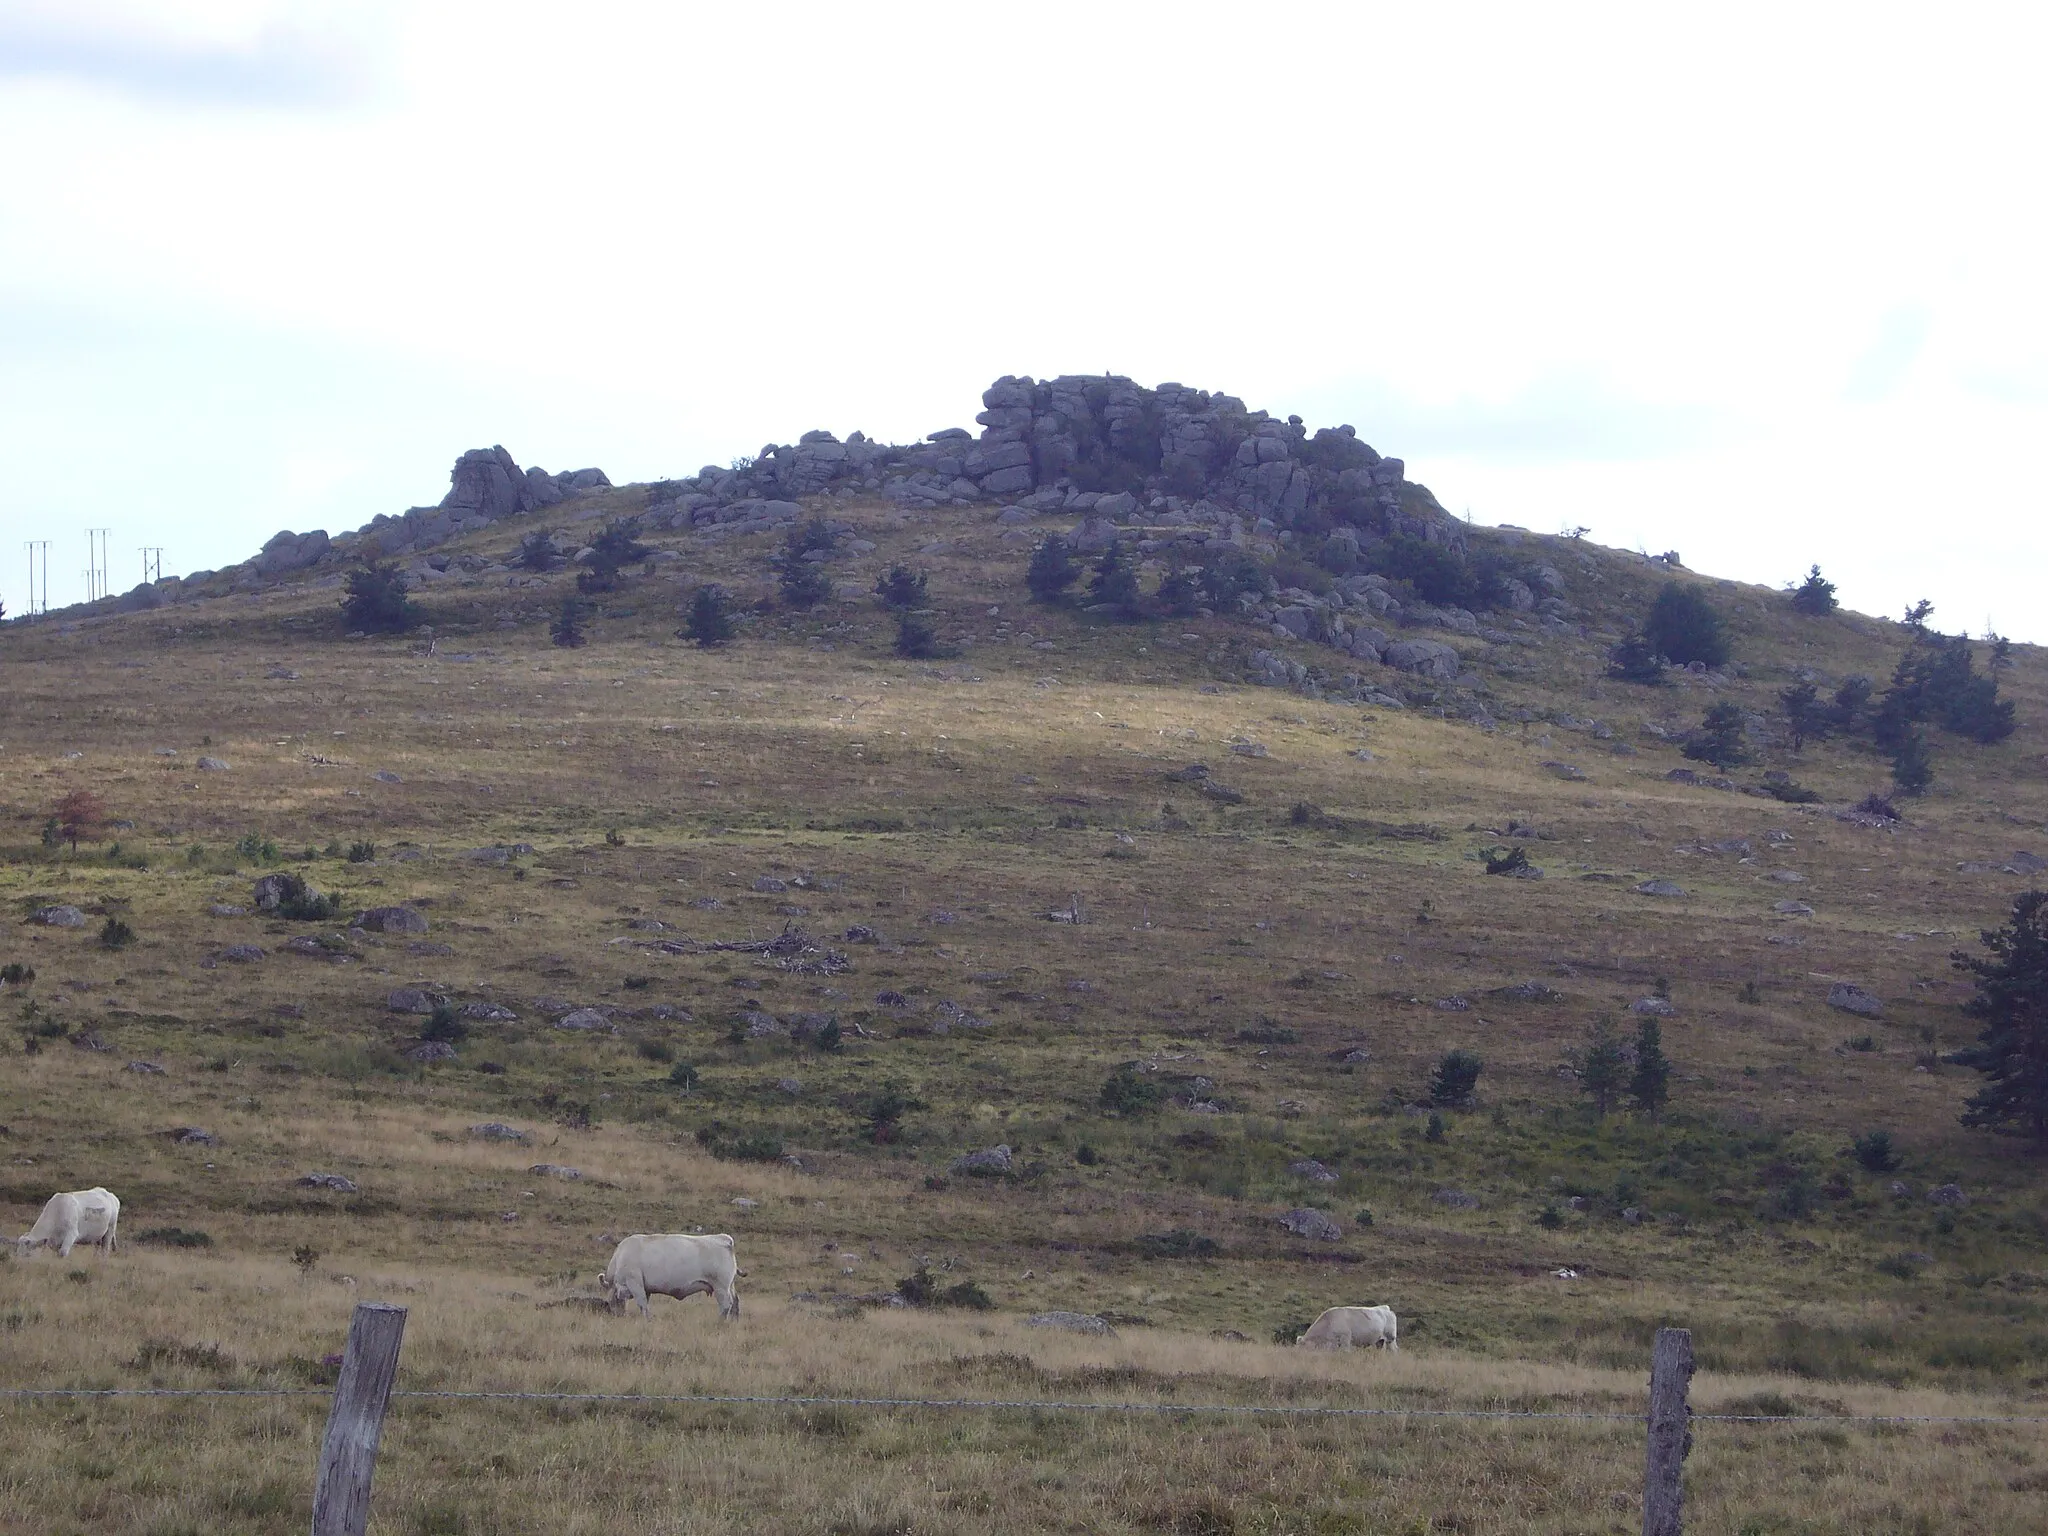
907, 792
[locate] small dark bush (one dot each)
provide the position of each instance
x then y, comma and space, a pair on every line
15, 974
812, 536
1718, 739
1683, 627
567, 630
917, 640
901, 587
1512, 861
683, 1075
173, 1237
710, 623
1913, 763
1791, 793
1550, 1217
116, 934
655, 1050
1230, 574
445, 1025
537, 552
1874, 1151
1636, 660
922, 1289
1180, 593
362, 853
747, 1147
1116, 580
1814, 596
300, 903
610, 552
1434, 1130
1124, 1092
376, 602
804, 584
1178, 1244
1086, 1155
1455, 1079
1053, 569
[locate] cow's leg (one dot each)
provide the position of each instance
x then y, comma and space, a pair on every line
66, 1244
728, 1300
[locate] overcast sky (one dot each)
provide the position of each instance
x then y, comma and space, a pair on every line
1760, 284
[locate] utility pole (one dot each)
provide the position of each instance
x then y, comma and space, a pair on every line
96, 564
38, 594
152, 563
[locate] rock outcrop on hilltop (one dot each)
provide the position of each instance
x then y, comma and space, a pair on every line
1097, 444
1100, 446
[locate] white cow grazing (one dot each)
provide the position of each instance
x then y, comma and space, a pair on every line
82, 1216
1344, 1327
676, 1264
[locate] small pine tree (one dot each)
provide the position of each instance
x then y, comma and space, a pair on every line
537, 553
1649, 1086
2012, 1003
1229, 575
1684, 627
811, 536
1180, 593
917, 640
1455, 1079
710, 623
1815, 596
1116, 580
375, 601
804, 584
1850, 711
1636, 660
1809, 718
445, 1025
901, 587
1912, 762
610, 552
1918, 615
1719, 737
567, 630
1603, 1067
1053, 569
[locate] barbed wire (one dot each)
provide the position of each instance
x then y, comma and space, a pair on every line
1277, 1410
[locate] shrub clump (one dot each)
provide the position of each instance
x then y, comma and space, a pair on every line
742, 1147
1684, 628
375, 602
1455, 1079
922, 1289
710, 623
1124, 1092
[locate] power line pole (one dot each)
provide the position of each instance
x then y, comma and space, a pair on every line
152, 563
96, 564
36, 606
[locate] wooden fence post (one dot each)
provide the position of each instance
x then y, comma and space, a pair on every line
1670, 1434
348, 1456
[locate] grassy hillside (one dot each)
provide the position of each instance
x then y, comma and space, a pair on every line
1275, 954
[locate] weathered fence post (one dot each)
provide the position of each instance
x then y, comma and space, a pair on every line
348, 1456
1670, 1433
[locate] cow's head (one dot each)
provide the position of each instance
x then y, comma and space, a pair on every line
614, 1296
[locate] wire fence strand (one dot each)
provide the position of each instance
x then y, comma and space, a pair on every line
1274, 1410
